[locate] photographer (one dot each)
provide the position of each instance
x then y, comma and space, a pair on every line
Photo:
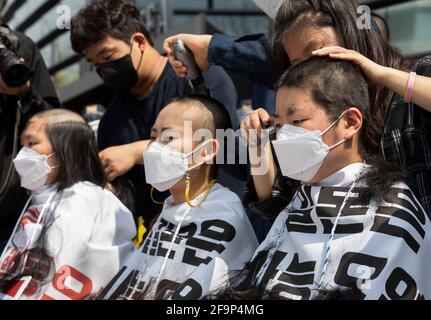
25, 89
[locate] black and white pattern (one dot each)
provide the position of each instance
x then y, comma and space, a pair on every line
213, 240
381, 249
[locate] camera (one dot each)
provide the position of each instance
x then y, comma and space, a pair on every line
13, 69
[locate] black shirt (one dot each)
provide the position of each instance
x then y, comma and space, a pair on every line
41, 97
130, 119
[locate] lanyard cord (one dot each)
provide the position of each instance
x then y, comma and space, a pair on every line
207, 192
334, 227
187, 193
165, 260
272, 251
177, 231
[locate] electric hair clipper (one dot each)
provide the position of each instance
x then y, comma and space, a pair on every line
194, 74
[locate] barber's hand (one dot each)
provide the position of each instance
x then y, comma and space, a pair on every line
117, 161
251, 127
198, 45
372, 70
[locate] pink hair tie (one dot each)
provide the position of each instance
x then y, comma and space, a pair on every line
410, 87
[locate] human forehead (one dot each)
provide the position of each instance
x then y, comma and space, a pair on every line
293, 99
35, 127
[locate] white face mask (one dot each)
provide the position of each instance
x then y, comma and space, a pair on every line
165, 166
33, 168
301, 152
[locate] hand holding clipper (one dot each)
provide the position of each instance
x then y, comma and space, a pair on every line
194, 74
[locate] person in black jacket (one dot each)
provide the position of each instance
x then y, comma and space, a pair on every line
36, 95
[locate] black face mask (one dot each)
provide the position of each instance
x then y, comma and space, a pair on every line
119, 74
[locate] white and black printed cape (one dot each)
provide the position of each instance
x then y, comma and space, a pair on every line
383, 250
214, 239
90, 236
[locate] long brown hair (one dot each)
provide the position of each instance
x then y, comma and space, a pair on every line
342, 16
75, 147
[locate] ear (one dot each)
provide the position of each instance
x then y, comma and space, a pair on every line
141, 40
352, 121
209, 152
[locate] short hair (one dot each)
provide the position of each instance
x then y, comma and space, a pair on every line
211, 115
99, 19
335, 85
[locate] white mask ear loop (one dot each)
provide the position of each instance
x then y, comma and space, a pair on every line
54, 167
195, 166
337, 144
331, 126
198, 148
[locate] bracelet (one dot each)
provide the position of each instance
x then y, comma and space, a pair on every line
410, 88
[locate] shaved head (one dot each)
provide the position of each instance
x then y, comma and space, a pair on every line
55, 116
207, 117
196, 112
45, 119
205, 113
